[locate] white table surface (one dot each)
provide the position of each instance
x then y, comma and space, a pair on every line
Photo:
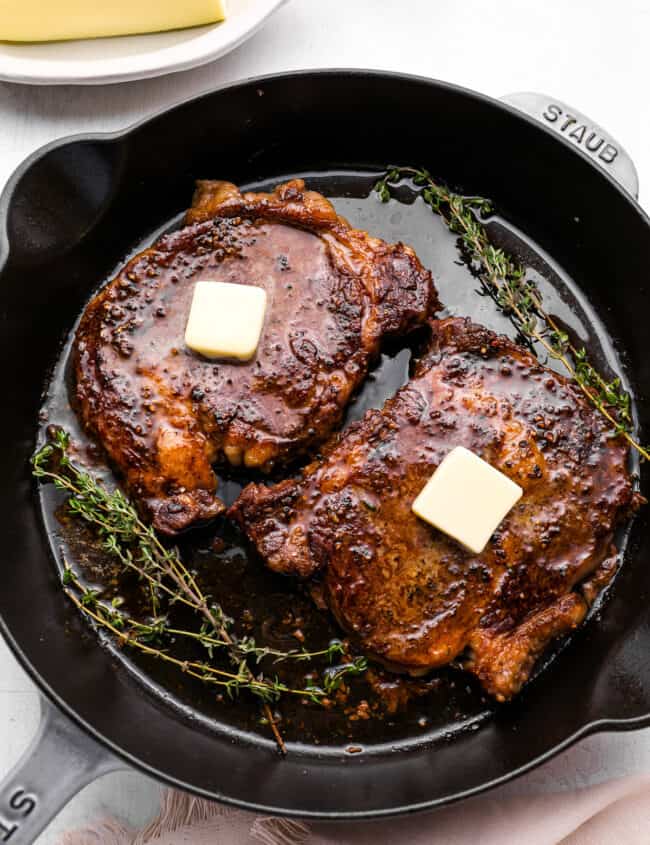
590, 53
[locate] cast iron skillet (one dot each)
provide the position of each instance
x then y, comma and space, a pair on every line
70, 214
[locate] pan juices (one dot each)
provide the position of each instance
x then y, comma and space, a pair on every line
66, 20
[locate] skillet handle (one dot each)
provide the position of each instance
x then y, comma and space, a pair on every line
578, 129
60, 761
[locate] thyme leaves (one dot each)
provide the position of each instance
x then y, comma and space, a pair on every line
504, 279
136, 548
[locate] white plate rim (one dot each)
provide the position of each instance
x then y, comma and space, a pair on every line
208, 47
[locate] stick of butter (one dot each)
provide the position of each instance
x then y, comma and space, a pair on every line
467, 499
63, 20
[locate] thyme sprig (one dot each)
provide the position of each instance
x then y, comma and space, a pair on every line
137, 548
149, 638
518, 297
334, 676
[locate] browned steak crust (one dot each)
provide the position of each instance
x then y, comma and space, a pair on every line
412, 596
165, 414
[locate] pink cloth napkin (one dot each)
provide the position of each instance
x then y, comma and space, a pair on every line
613, 813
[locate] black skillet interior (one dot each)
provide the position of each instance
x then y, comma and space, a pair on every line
76, 210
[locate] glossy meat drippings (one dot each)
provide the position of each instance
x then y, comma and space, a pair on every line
165, 414
409, 594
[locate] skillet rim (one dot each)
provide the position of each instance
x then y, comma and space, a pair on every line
83, 137
594, 726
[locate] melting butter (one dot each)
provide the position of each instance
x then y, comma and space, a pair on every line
467, 499
225, 320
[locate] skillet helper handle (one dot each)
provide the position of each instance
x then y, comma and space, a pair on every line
603, 150
60, 761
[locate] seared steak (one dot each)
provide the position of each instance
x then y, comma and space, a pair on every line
412, 596
165, 414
